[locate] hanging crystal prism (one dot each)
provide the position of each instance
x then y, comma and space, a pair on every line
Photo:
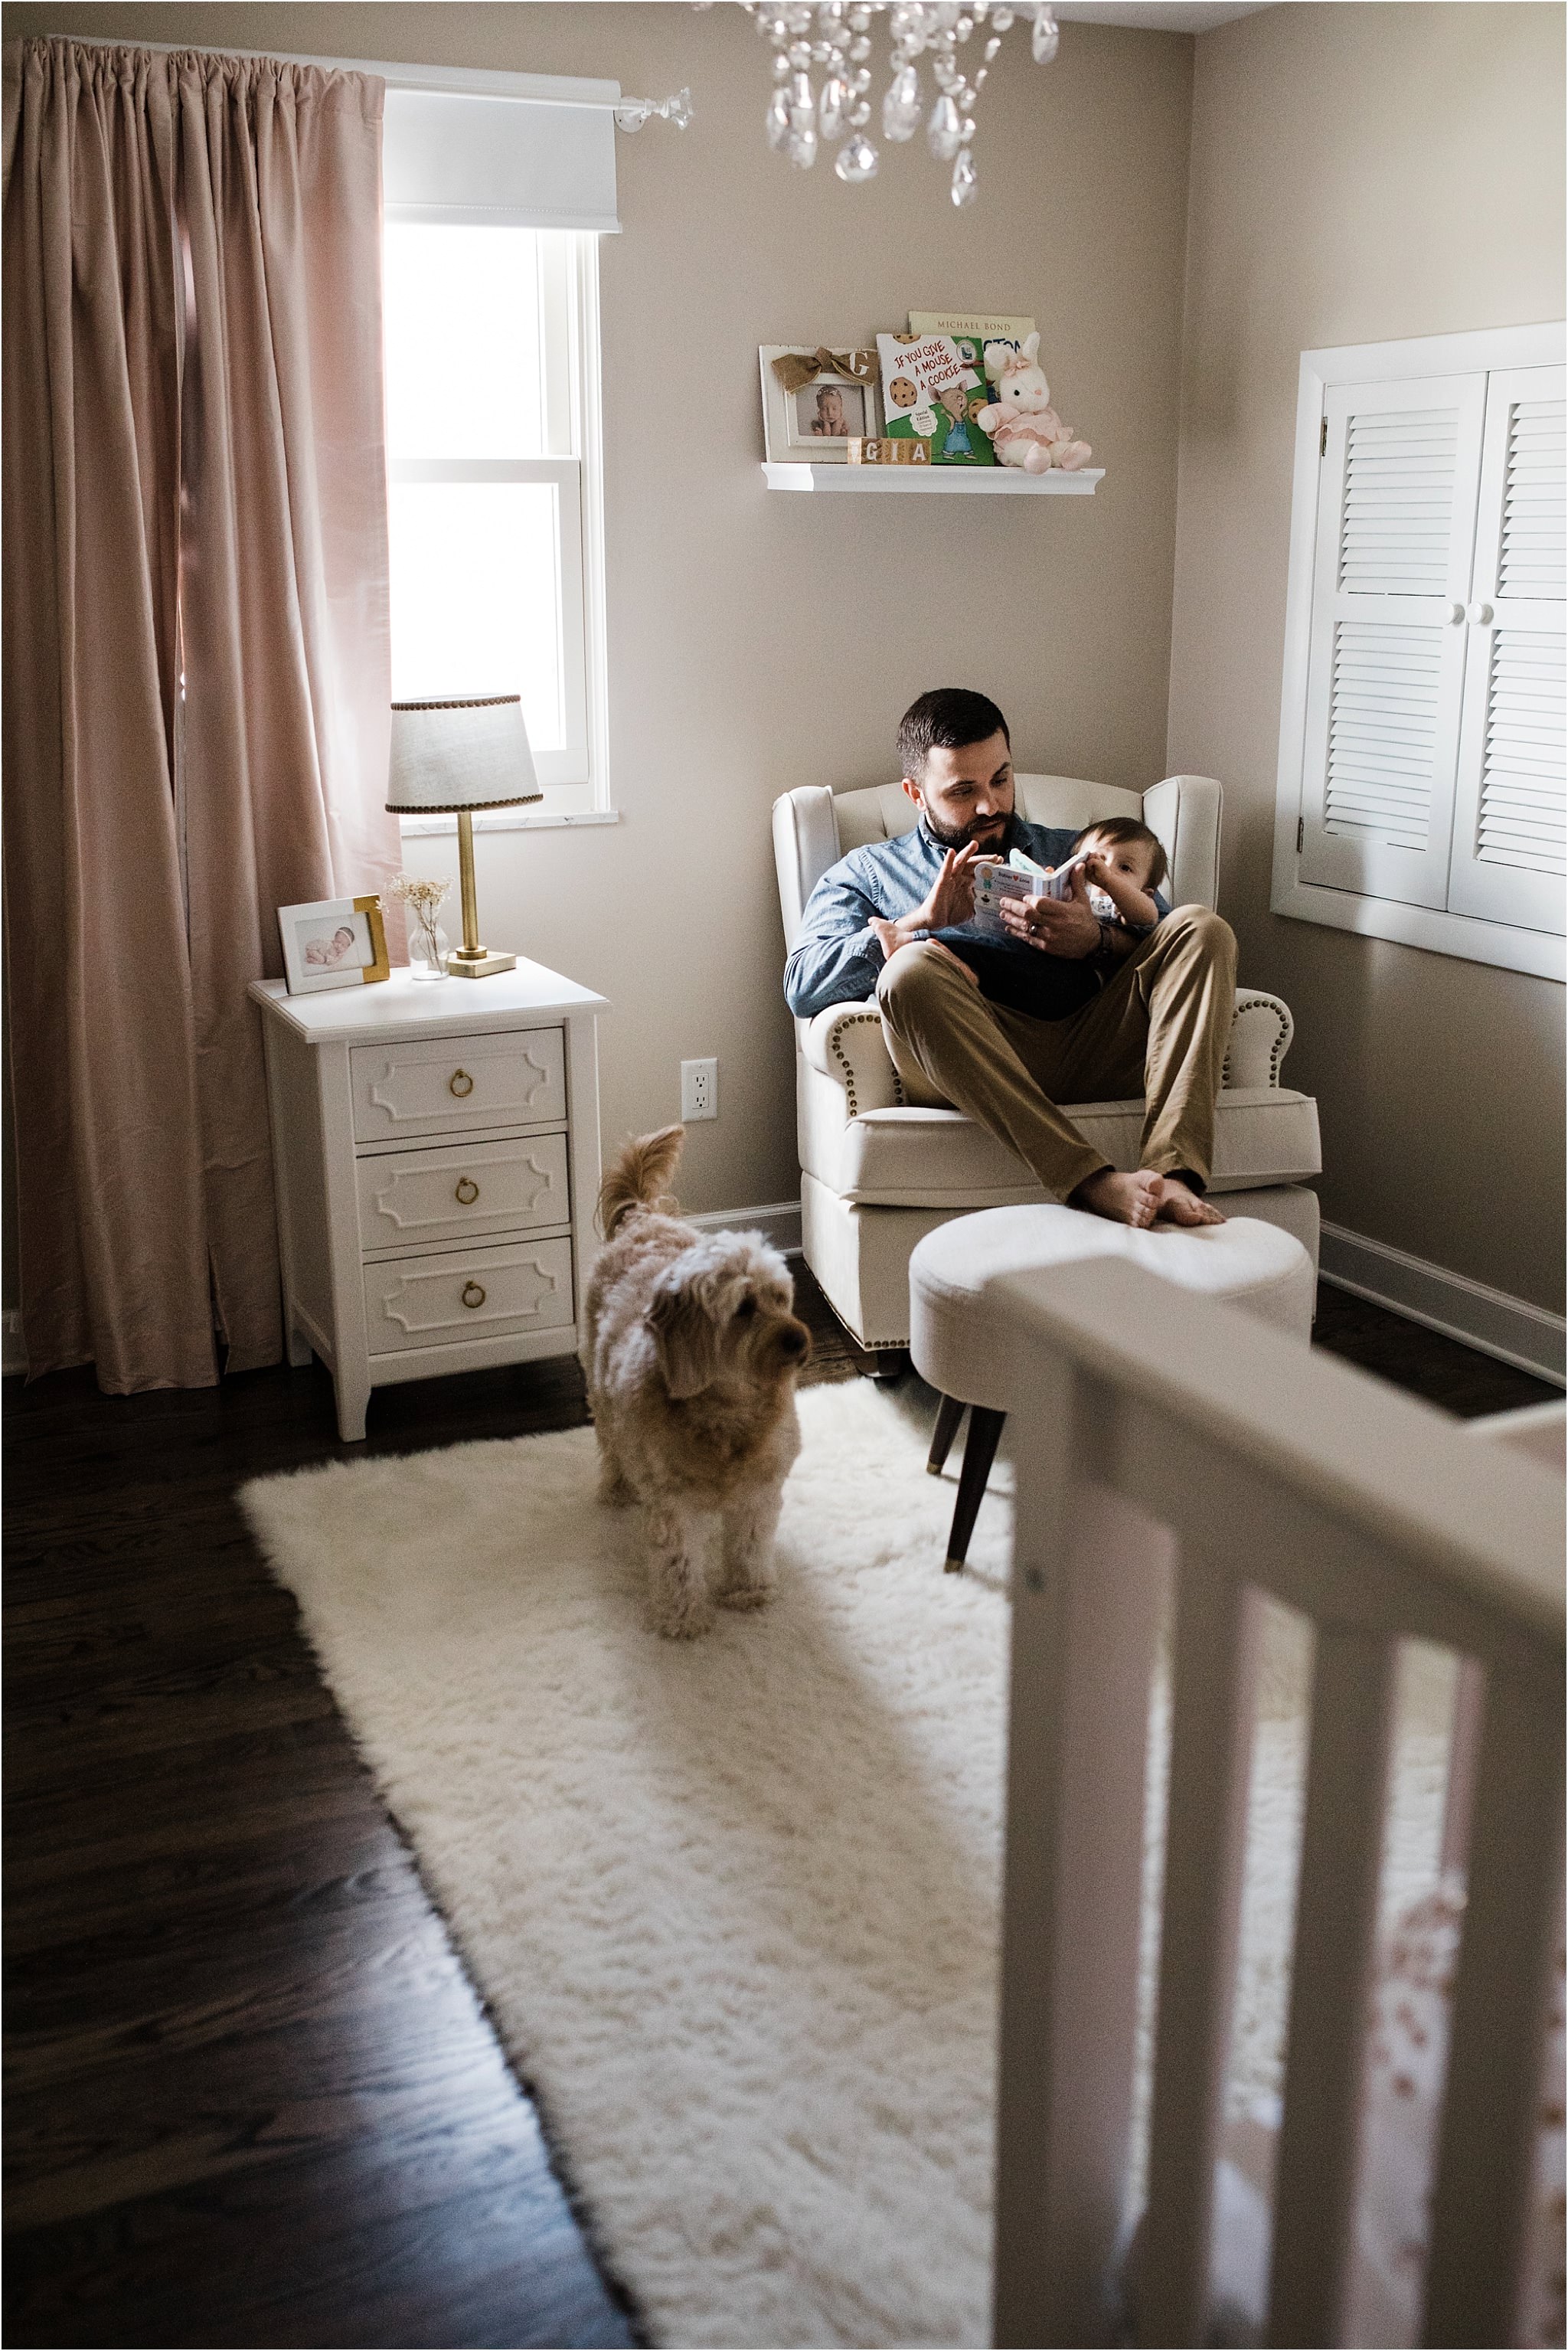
833, 106
966, 180
944, 129
1047, 38
901, 107
778, 118
856, 161
801, 146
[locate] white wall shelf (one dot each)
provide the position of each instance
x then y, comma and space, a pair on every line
936, 481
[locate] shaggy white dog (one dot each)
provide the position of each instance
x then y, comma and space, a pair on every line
692, 1356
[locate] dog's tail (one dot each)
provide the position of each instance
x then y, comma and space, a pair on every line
636, 1177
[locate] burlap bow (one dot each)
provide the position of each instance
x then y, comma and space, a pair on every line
794, 369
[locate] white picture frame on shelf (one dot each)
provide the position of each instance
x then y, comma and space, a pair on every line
796, 424
333, 943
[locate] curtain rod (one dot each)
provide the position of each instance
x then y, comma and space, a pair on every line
456, 81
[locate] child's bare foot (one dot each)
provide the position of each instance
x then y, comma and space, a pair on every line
1180, 1206
1125, 1199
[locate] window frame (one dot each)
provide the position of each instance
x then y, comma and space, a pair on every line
579, 790
1473, 937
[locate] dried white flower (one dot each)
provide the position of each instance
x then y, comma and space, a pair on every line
424, 899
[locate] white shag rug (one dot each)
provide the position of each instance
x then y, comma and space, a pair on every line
733, 1903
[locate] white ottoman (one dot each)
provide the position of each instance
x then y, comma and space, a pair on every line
1254, 1266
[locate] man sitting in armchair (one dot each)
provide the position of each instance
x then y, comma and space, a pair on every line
1156, 1025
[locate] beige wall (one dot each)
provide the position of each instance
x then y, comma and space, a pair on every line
758, 641
1359, 174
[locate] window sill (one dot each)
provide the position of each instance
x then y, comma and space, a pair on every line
509, 820
1542, 953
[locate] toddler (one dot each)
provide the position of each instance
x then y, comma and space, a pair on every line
1123, 865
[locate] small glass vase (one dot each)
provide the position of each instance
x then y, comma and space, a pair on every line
423, 962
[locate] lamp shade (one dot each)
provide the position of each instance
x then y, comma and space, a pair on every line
448, 756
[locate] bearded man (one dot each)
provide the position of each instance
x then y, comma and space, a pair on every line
1156, 1020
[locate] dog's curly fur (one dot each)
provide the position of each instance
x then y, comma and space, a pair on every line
692, 1353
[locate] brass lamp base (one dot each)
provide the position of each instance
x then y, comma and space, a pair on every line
472, 961
482, 968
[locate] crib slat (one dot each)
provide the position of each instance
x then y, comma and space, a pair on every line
1464, 1746
1089, 1570
1336, 1909
1217, 1636
1480, 2202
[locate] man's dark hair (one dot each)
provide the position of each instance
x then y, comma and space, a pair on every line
945, 719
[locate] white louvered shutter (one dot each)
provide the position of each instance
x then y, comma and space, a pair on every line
1507, 850
1395, 523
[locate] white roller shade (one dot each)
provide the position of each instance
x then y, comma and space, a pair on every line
521, 163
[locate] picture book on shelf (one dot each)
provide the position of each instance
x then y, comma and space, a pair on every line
932, 388
976, 327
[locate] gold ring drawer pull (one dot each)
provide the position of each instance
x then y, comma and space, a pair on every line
467, 1191
472, 1294
460, 1083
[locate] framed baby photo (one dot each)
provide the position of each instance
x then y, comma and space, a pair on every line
814, 403
336, 942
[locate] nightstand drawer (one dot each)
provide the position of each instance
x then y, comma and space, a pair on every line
438, 1086
410, 1199
482, 1293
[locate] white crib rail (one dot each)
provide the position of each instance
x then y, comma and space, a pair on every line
1164, 1433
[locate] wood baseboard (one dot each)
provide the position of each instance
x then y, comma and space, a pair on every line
1491, 1320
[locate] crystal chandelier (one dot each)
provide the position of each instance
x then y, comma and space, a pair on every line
835, 36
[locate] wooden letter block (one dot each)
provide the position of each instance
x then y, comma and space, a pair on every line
888, 452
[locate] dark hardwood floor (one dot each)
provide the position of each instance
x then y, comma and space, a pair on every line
254, 2099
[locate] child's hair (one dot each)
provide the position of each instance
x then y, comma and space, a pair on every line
1126, 832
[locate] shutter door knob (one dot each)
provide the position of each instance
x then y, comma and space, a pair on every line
1456, 614
1481, 615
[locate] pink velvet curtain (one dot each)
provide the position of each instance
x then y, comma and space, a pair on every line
196, 677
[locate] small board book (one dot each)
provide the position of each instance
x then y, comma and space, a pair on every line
932, 386
976, 327
1020, 877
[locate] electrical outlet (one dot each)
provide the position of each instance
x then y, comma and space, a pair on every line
699, 1089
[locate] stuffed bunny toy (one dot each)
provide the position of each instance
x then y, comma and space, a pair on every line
1025, 429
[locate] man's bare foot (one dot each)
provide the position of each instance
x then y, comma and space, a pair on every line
1180, 1206
1124, 1200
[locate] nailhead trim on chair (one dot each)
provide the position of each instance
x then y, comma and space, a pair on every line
1281, 1044
861, 1020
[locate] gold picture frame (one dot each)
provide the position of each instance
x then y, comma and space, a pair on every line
316, 953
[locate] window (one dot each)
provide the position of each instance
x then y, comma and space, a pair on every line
1422, 734
492, 398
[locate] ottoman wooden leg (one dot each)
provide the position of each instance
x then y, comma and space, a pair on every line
949, 1414
985, 1428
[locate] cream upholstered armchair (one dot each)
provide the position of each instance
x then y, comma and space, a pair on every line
877, 1174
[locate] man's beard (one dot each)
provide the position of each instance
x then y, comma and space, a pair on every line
997, 843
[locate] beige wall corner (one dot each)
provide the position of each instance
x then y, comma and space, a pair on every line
1360, 174
756, 640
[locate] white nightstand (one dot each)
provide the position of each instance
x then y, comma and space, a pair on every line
435, 1148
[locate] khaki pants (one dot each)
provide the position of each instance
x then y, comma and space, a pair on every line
1158, 1028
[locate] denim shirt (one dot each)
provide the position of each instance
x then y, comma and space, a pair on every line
837, 957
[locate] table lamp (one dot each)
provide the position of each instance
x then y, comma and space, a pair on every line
449, 758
